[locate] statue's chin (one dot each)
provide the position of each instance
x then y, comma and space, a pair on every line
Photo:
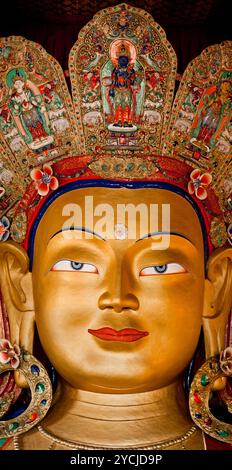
116, 385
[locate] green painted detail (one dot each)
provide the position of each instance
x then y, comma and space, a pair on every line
223, 433
40, 388
204, 380
13, 426
2, 442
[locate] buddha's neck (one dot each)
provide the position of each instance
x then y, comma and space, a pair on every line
129, 419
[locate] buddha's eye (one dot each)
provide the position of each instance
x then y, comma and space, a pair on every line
68, 265
170, 268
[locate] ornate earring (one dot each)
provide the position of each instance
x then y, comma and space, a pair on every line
15, 358
201, 388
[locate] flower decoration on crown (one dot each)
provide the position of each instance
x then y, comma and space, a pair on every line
44, 180
198, 184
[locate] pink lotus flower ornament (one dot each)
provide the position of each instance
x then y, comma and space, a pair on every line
44, 179
226, 361
9, 354
198, 184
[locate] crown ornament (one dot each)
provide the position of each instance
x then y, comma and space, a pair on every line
122, 122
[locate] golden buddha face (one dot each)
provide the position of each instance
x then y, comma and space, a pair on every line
114, 314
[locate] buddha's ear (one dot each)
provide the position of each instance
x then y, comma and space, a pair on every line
16, 287
217, 300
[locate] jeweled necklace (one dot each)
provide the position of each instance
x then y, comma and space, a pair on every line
78, 445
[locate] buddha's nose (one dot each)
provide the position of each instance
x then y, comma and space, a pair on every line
119, 294
118, 303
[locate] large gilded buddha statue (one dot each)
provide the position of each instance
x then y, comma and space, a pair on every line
115, 252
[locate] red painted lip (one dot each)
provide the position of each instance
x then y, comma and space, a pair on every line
126, 335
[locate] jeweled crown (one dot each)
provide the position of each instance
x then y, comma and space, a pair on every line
121, 122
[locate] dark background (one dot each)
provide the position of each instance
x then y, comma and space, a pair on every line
191, 25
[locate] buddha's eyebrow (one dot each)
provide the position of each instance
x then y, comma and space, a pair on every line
178, 234
81, 229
